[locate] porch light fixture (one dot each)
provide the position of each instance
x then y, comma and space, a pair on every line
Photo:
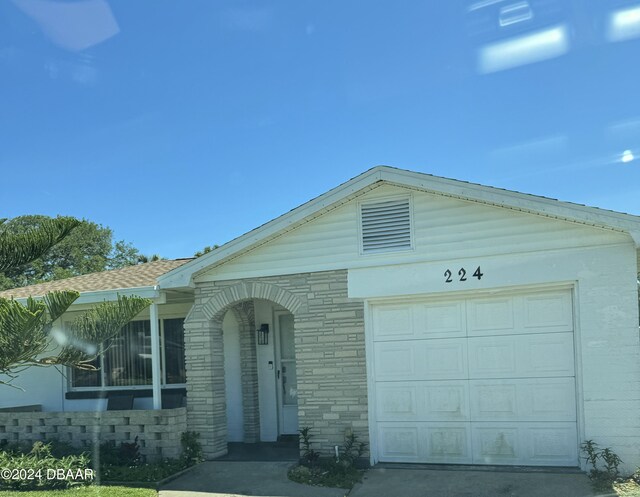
263, 334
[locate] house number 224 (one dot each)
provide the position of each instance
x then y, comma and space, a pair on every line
462, 274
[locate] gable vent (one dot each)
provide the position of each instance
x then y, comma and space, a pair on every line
386, 226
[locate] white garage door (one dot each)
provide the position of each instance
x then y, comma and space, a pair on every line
476, 381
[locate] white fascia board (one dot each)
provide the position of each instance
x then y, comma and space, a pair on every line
519, 201
149, 292
181, 276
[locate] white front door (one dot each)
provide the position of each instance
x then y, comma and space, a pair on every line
286, 375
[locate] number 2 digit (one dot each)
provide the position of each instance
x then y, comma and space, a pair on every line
462, 273
447, 275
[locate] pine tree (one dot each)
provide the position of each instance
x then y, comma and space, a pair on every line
27, 335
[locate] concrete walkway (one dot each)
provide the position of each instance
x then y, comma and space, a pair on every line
232, 478
420, 482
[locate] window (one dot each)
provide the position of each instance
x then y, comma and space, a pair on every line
173, 340
127, 359
386, 225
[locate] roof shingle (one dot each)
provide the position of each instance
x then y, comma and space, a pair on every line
137, 276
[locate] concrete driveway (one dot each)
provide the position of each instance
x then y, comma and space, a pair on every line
269, 478
418, 481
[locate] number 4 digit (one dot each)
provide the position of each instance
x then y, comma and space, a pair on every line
478, 274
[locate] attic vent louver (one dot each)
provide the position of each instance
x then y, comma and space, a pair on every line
386, 226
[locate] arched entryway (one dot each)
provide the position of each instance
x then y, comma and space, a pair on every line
267, 371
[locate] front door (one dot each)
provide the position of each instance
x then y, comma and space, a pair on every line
286, 375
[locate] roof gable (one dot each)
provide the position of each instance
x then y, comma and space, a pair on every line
542, 206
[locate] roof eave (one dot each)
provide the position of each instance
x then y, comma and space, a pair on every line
97, 296
518, 201
181, 276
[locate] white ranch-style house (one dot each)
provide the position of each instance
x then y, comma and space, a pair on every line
440, 321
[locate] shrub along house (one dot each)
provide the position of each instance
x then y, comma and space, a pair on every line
441, 321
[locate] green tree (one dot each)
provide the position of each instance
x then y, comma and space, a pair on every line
26, 337
206, 250
88, 248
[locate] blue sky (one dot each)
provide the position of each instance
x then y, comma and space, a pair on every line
184, 124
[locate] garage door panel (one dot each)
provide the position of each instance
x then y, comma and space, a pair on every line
425, 442
421, 359
555, 445
493, 357
539, 399
548, 355
450, 443
446, 401
521, 356
495, 444
445, 359
397, 402
489, 316
491, 401
395, 361
443, 320
399, 443
393, 322
534, 444
552, 399
548, 313
423, 401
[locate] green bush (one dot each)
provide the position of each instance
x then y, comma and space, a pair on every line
124, 464
604, 465
353, 449
125, 454
33, 470
309, 455
326, 472
191, 448
329, 471
121, 462
147, 472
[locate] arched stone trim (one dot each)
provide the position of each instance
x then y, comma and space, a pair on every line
215, 308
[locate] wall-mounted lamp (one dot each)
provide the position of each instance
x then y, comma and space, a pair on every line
263, 334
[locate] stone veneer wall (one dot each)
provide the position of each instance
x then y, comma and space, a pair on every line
249, 371
330, 355
158, 431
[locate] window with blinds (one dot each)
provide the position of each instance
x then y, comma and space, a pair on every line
386, 226
126, 360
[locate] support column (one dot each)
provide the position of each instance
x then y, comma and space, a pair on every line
155, 356
206, 403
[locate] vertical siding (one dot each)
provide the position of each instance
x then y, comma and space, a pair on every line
444, 228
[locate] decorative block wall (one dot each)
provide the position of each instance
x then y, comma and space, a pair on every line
158, 431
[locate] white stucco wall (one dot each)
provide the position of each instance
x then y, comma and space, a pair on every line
607, 347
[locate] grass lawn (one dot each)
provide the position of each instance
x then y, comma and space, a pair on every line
91, 491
